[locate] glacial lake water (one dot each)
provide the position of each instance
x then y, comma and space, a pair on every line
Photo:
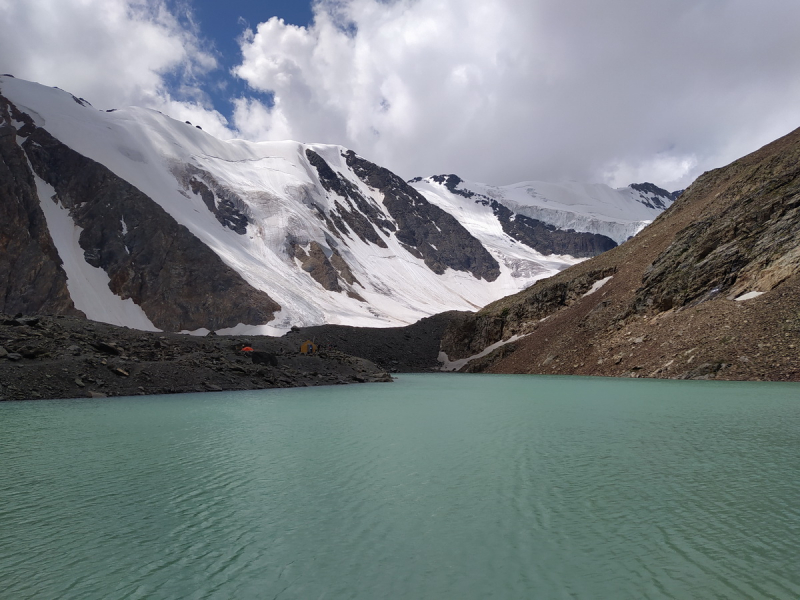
434, 487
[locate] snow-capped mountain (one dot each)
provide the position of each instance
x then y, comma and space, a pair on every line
591, 208
135, 219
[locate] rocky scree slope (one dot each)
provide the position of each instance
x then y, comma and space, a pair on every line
410, 349
710, 290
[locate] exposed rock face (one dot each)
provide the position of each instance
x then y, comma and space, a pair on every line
228, 208
669, 308
360, 215
316, 264
548, 239
426, 230
517, 315
536, 234
31, 276
342, 268
177, 280
657, 197
451, 182
326, 270
751, 244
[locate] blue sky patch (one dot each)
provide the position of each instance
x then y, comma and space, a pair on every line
222, 24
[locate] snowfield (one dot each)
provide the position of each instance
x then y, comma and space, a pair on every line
594, 208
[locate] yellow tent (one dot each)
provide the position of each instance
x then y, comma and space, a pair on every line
308, 347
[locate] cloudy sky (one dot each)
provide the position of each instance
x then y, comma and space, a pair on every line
499, 92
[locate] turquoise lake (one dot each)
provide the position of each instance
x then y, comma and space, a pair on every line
433, 487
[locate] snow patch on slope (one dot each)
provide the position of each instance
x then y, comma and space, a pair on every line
243, 329
597, 285
749, 296
455, 365
87, 285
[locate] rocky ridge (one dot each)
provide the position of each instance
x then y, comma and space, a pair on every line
711, 289
410, 349
69, 357
424, 229
31, 275
541, 236
572, 217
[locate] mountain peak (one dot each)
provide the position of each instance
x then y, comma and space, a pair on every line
652, 195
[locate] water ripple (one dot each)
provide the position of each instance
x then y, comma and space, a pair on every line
433, 487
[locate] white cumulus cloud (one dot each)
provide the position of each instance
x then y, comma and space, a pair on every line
500, 92
111, 52
510, 90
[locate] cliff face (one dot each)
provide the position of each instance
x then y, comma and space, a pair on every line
710, 290
425, 230
31, 274
547, 239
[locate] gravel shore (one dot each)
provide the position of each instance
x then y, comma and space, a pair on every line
67, 357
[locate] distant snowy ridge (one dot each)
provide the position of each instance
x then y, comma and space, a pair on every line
194, 233
594, 208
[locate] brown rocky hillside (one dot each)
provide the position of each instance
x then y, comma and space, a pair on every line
670, 307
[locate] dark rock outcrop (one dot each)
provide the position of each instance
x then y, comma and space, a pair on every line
451, 182
176, 279
653, 196
548, 239
425, 230
227, 207
316, 264
32, 279
342, 268
360, 215
326, 270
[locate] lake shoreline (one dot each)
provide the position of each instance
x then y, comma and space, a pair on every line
61, 357
65, 357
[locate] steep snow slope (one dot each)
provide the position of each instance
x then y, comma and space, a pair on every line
328, 236
88, 285
594, 208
